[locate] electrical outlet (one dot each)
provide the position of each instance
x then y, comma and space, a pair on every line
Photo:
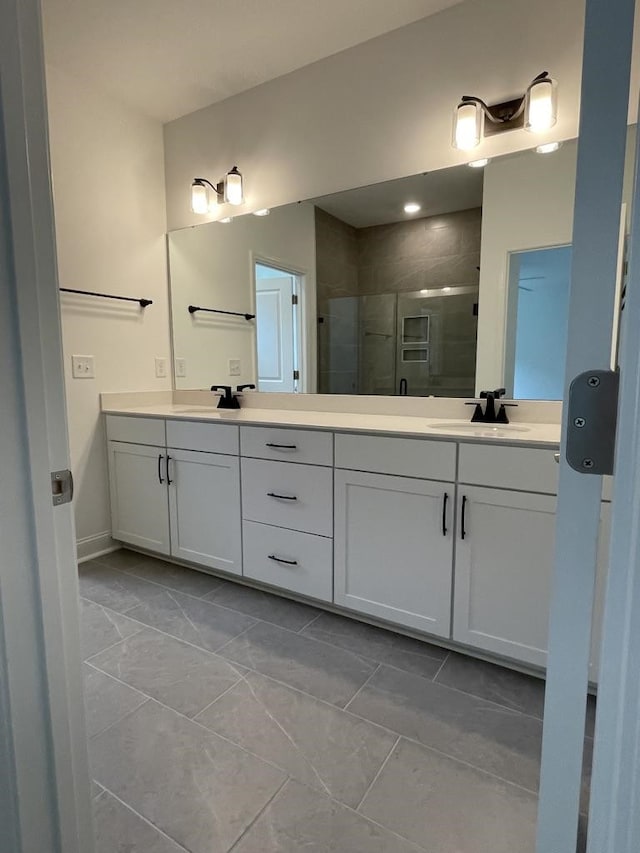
181, 368
161, 368
83, 367
234, 367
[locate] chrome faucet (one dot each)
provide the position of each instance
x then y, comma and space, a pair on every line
488, 415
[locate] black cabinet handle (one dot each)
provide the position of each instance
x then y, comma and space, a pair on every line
282, 446
169, 480
282, 497
444, 513
160, 480
463, 531
280, 560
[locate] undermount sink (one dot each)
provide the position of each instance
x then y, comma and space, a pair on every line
478, 428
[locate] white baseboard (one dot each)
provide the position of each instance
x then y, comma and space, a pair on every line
94, 546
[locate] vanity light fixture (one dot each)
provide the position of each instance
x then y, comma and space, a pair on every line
229, 191
226, 220
412, 207
264, 211
548, 147
535, 111
479, 164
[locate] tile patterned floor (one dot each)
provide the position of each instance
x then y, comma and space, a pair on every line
226, 719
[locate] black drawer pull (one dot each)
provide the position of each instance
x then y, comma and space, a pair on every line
169, 480
463, 531
282, 446
280, 560
282, 497
444, 514
160, 480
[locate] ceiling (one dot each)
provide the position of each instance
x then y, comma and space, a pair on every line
444, 191
168, 58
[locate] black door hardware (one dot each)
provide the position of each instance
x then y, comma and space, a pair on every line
282, 497
282, 446
160, 480
463, 519
280, 560
169, 480
444, 514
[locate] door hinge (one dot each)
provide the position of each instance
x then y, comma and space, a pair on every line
592, 415
61, 487
296, 374
294, 299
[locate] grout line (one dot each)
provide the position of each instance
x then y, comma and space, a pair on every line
113, 645
206, 707
440, 668
143, 818
122, 719
260, 813
362, 686
315, 619
377, 776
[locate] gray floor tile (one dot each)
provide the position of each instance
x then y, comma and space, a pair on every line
301, 819
185, 580
116, 590
314, 742
446, 806
495, 683
118, 829
263, 605
324, 671
121, 559
96, 789
378, 644
197, 621
176, 674
486, 735
199, 789
106, 701
100, 628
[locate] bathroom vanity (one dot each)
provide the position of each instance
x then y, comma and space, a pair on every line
439, 528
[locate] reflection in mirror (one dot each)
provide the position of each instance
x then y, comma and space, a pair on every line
437, 284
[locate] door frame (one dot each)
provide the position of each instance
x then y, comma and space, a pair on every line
303, 315
42, 730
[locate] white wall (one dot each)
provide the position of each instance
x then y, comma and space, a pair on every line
107, 166
212, 266
382, 109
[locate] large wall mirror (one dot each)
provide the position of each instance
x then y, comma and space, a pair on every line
437, 284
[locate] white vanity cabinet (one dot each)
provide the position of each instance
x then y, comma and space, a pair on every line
175, 489
139, 497
394, 534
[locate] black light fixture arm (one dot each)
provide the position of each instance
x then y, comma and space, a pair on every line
219, 189
504, 116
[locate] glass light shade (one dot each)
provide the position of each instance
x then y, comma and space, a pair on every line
233, 190
479, 164
468, 122
199, 198
540, 111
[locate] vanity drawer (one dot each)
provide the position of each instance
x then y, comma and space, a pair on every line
299, 497
209, 438
405, 457
135, 430
528, 469
300, 562
306, 446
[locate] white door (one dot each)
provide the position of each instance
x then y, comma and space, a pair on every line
139, 499
504, 566
276, 337
400, 567
599, 177
45, 800
204, 496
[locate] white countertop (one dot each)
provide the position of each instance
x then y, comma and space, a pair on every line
540, 434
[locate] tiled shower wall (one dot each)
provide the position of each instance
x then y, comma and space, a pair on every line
411, 255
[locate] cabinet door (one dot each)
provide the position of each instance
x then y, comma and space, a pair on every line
204, 497
139, 501
503, 572
394, 548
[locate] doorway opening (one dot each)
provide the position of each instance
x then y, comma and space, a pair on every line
278, 327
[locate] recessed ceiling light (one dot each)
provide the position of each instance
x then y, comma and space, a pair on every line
226, 219
264, 211
479, 164
547, 148
412, 207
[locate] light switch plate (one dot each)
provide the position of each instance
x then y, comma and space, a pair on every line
161, 368
83, 367
234, 367
181, 368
